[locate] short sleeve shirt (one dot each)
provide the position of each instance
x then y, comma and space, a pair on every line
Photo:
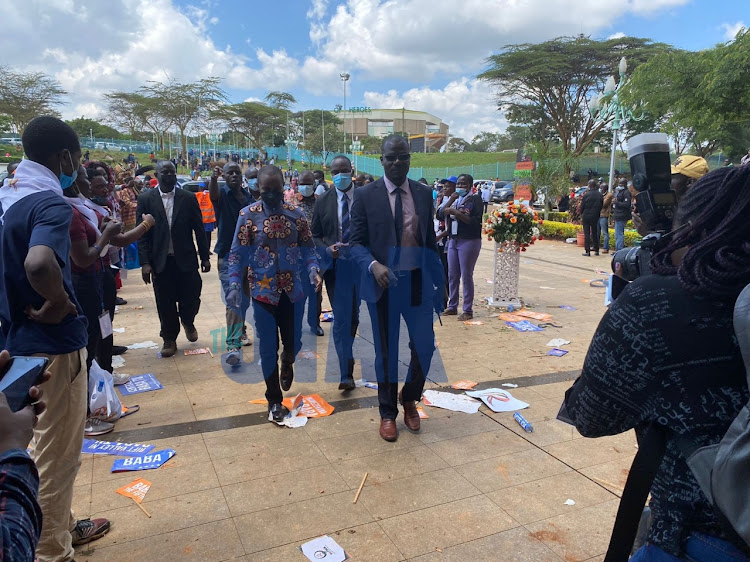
40, 219
81, 229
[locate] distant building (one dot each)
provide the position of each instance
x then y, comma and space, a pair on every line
419, 125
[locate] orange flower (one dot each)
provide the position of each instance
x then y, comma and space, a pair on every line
514, 220
524, 210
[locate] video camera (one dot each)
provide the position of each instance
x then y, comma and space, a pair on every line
655, 203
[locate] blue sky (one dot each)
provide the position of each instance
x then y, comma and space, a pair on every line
422, 54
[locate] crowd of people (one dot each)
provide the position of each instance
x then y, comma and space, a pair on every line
406, 248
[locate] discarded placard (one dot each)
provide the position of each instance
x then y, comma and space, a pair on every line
136, 490
313, 406
140, 383
557, 342
148, 344
198, 351
323, 548
524, 326
307, 354
498, 400
567, 307
541, 316
557, 352
510, 317
448, 401
361, 383
94, 447
464, 385
422, 414
148, 461
473, 322
294, 418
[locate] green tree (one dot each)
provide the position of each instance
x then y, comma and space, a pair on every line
457, 144
135, 110
322, 134
85, 127
486, 142
546, 85
25, 95
255, 121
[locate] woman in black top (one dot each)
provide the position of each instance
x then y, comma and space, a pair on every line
665, 353
462, 212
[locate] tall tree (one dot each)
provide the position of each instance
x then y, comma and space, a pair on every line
25, 95
85, 127
253, 120
135, 110
546, 85
322, 134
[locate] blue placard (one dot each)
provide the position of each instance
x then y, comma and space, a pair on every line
140, 383
524, 326
94, 447
557, 352
567, 307
143, 462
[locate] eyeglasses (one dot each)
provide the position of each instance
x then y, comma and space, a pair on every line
393, 157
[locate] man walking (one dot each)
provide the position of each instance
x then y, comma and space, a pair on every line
306, 201
40, 316
167, 254
273, 242
621, 212
331, 230
604, 216
228, 201
393, 242
591, 208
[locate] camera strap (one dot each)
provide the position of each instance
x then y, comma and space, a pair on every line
651, 447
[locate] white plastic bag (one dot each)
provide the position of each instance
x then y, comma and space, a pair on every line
104, 404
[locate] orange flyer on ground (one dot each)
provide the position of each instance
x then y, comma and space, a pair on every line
473, 322
136, 489
421, 413
313, 406
510, 317
535, 315
464, 385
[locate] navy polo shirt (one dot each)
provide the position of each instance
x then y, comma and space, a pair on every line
40, 219
228, 211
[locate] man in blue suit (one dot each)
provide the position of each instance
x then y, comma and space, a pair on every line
393, 243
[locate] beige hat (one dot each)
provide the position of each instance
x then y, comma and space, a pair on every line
690, 166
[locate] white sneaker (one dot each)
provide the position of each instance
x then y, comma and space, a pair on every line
96, 427
245, 341
234, 357
120, 378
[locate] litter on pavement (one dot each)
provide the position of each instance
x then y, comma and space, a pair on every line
448, 401
557, 352
463, 385
498, 400
366, 384
140, 383
144, 345
95, 447
323, 548
509, 385
569, 502
524, 326
293, 418
147, 461
557, 342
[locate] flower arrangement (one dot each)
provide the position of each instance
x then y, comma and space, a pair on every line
513, 227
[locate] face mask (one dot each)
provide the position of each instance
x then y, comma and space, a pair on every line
461, 192
252, 184
271, 198
342, 181
65, 180
306, 190
620, 188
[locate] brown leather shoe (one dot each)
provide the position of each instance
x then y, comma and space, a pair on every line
388, 429
169, 348
190, 332
411, 416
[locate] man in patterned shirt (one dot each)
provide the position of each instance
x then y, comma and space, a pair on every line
274, 242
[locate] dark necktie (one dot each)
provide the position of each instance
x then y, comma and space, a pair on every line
345, 232
399, 217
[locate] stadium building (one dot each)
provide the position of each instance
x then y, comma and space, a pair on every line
427, 133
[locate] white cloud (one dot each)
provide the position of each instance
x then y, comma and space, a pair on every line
466, 105
732, 29
618, 35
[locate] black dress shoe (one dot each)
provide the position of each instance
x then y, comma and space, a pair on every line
587, 254
118, 349
286, 376
278, 412
347, 384
120, 301
318, 331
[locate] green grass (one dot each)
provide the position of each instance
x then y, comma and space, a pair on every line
459, 159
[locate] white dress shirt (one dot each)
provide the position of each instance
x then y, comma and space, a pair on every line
167, 200
341, 194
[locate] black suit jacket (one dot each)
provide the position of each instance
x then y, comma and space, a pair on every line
325, 225
186, 221
373, 235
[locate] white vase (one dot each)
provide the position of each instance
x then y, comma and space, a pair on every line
507, 270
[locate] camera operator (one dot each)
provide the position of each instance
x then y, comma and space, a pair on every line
686, 170
665, 357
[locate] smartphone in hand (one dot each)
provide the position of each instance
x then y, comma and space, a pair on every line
19, 375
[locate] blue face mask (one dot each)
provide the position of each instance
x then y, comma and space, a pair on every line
342, 181
306, 190
461, 192
65, 180
252, 184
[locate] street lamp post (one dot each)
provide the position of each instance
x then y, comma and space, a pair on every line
344, 79
608, 106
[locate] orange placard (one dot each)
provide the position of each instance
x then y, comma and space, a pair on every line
421, 413
510, 317
473, 322
535, 315
259, 401
313, 406
524, 165
464, 385
523, 193
136, 490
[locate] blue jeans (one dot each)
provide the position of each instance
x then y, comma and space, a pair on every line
699, 548
235, 316
604, 228
620, 235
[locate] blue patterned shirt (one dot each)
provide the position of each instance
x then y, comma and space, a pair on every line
277, 249
20, 514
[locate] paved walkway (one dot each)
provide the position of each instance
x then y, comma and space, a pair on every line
468, 487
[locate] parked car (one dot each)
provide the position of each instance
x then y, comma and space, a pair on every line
10, 140
502, 192
578, 191
199, 185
